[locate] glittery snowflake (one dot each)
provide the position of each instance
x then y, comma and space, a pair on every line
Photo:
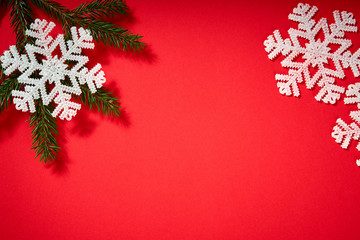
50, 77
311, 62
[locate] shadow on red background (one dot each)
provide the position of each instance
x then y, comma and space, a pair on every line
10, 120
3, 11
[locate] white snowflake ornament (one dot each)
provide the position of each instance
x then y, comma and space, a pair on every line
316, 54
37, 74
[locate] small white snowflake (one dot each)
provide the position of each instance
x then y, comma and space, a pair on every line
51, 70
315, 54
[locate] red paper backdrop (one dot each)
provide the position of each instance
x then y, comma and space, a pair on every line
207, 147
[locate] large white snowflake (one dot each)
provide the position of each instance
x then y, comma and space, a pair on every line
48, 76
311, 62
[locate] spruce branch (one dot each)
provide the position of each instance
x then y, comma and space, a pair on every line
100, 9
53, 9
111, 35
102, 31
103, 100
6, 86
44, 132
21, 17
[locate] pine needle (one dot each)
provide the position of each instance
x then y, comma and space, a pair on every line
44, 133
6, 86
21, 17
100, 9
102, 31
53, 9
111, 35
103, 100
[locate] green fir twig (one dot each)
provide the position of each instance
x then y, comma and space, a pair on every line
100, 9
6, 86
53, 9
103, 31
44, 132
103, 100
111, 35
21, 17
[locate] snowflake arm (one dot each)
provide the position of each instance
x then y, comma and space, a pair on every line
303, 14
275, 44
344, 22
12, 60
353, 94
287, 84
344, 133
329, 93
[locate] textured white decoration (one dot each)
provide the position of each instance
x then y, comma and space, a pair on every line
342, 132
52, 69
316, 54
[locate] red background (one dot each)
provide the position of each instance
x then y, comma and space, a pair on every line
207, 147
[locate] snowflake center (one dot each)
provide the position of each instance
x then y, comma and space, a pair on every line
53, 69
316, 52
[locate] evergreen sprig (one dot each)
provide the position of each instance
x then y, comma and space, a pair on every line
103, 100
53, 9
111, 35
44, 132
90, 16
21, 17
100, 9
7, 85
103, 31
